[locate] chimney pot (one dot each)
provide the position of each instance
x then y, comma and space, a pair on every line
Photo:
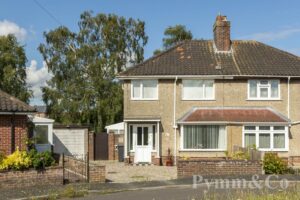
222, 33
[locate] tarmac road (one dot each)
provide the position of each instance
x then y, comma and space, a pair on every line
170, 193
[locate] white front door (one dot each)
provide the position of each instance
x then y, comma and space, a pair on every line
143, 145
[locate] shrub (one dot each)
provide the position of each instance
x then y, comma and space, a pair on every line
19, 160
41, 160
273, 164
240, 155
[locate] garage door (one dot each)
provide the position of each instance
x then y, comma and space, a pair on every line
69, 142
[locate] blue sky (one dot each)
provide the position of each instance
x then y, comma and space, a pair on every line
273, 22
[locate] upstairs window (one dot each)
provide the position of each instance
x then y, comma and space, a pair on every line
263, 89
144, 89
198, 90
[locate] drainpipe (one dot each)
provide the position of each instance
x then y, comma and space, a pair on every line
174, 120
288, 103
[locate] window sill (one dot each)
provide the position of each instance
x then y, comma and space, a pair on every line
153, 151
202, 150
198, 99
263, 99
144, 99
273, 150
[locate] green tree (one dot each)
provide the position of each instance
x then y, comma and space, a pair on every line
13, 68
84, 64
173, 35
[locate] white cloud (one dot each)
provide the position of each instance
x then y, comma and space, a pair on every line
7, 27
37, 78
271, 36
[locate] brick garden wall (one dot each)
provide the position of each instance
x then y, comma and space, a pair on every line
16, 179
20, 132
187, 168
97, 173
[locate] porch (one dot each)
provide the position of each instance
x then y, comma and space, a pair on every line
142, 140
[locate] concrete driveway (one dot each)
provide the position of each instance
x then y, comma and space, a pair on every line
118, 172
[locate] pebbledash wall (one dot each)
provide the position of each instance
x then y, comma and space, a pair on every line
188, 168
20, 124
227, 93
16, 179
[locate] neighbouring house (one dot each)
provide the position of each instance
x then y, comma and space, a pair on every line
117, 128
200, 98
41, 111
13, 123
43, 133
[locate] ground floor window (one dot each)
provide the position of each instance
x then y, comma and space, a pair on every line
266, 137
41, 134
203, 137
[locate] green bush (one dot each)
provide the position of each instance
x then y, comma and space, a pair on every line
273, 164
240, 155
41, 160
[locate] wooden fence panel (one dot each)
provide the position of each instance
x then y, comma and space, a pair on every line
101, 146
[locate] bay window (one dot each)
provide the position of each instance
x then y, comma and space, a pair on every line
263, 89
203, 137
144, 89
197, 89
267, 138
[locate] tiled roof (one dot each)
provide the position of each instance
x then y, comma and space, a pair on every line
9, 103
198, 57
234, 115
40, 109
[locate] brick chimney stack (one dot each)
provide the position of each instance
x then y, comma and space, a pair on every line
222, 33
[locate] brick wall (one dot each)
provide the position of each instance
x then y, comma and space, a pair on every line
187, 168
20, 132
16, 179
97, 173
113, 140
91, 145
111, 147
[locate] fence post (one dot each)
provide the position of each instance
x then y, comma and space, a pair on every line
87, 167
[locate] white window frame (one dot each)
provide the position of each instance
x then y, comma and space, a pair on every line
198, 99
271, 132
202, 150
141, 90
259, 86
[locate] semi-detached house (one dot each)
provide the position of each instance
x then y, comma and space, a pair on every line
203, 97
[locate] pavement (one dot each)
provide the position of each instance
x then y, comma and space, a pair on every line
173, 189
